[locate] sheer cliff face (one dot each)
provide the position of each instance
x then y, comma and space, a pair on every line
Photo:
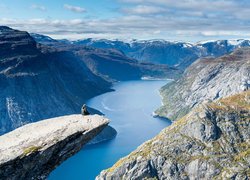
206, 80
212, 141
37, 82
16, 43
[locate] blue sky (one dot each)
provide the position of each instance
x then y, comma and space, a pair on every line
55, 9
185, 20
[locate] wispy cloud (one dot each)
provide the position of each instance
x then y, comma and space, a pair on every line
77, 9
169, 19
38, 7
130, 27
143, 9
222, 8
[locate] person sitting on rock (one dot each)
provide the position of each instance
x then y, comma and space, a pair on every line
84, 110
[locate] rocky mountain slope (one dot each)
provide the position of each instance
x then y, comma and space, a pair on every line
111, 64
210, 142
16, 43
179, 54
38, 82
206, 80
34, 150
221, 47
156, 51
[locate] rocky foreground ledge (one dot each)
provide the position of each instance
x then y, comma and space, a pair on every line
34, 150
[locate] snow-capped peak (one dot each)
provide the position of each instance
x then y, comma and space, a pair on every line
235, 42
232, 42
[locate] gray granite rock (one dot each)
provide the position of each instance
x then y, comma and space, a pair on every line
34, 150
210, 142
206, 80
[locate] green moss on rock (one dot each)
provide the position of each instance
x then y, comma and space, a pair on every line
30, 150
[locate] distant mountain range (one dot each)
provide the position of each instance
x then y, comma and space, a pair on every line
175, 54
111, 63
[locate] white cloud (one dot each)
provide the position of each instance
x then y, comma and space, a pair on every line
144, 19
157, 32
74, 8
38, 7
219, 8
143, 9
129, 27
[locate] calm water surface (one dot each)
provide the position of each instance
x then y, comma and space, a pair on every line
130, 109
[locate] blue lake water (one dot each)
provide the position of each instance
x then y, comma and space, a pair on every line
130, 109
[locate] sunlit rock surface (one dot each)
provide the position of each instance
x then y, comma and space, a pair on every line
34, 150
206, 80
210, 142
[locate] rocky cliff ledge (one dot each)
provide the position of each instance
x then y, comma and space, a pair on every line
210, 142
34, 150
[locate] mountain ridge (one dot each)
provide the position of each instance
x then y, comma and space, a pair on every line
112, 64
178, 54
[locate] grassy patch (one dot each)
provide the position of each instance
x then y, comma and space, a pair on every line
30, 150
242, 155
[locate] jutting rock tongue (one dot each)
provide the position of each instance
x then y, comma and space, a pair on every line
44, 145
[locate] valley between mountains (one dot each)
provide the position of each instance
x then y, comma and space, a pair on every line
210, 136
208, 101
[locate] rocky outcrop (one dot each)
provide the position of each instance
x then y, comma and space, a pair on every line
211, 142
34, 150
38, 82
206, 80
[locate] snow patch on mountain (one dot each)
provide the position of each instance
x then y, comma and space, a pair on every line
14, 111
235, 42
